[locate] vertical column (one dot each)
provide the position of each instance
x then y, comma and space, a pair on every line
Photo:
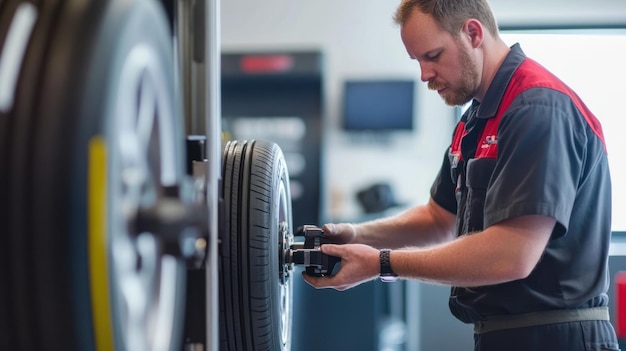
214, 145
197, 41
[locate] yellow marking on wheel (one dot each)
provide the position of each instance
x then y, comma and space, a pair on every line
97, 242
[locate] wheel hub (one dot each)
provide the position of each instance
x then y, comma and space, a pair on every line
284, 256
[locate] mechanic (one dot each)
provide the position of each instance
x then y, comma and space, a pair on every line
519, 219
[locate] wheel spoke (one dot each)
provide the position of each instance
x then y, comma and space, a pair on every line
147, 291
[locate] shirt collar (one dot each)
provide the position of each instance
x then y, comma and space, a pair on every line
489, 106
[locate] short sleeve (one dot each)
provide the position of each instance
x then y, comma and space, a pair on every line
539, 161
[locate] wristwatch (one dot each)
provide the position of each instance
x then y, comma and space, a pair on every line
386, 273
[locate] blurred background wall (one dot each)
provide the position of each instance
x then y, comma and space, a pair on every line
357, 40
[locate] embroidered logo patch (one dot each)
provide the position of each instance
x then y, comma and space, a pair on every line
490, 140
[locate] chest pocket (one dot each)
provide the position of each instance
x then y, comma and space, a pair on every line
472, 196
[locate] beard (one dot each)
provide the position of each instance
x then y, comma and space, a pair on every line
467, 85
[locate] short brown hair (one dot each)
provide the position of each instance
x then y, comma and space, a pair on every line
450, 14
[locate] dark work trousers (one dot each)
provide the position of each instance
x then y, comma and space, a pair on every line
572, 336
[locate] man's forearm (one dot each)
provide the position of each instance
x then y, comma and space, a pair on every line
500, 254
418, 227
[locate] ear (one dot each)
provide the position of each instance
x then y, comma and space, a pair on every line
474, 31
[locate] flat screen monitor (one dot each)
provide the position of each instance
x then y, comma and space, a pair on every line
378, 105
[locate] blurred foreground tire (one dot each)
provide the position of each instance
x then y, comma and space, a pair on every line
89, 136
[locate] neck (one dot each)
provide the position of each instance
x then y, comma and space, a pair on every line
494, 53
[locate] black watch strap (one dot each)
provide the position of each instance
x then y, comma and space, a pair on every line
386, 273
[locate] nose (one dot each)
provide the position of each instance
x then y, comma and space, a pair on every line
427, 72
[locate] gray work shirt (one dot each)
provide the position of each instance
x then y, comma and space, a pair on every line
531, 148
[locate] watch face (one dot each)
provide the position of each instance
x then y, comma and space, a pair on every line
388, 278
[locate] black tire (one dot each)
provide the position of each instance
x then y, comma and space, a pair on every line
78, 278
9, 16
255, 289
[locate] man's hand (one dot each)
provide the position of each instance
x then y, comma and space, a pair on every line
340, 233
359, 263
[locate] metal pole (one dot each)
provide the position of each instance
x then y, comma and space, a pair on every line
214, 147
191, 46
197, 25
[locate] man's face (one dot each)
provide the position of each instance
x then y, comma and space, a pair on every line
446, 61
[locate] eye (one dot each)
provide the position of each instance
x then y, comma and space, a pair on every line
433, 57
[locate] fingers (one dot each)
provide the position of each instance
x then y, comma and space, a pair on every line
359, 263
332, 250
341, 233
330, 229
326, 281
321, 282
338, 282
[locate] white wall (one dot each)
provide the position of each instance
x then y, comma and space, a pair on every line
358, 39
560, 12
